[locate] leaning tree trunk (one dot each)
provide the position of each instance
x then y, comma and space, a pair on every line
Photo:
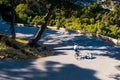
33, 41
12, 21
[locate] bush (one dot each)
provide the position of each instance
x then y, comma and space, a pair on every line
52, 22
21, 14
13, 50
27, 51
37, 20
13, 43
3, 42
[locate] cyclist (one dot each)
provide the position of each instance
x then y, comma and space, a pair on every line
76, 49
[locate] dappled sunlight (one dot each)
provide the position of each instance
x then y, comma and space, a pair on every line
112, 52
59, 71
116, 76
65, 41
24, 36
62, 65
22, 32
21, 41
57, 53
118, 67
52, 71
14, 70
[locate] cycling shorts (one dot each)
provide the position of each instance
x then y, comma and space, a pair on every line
76, 50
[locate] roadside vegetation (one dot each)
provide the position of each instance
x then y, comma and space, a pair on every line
91, 18
70, 14
11, 49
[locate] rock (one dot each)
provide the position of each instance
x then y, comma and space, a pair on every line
3, 55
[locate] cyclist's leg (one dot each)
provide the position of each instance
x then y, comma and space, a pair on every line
77, 53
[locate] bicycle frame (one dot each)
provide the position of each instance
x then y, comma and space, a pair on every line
79, 55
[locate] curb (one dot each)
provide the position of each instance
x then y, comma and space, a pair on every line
98, 36
101, 37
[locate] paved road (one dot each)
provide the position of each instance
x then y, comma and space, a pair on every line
62, 65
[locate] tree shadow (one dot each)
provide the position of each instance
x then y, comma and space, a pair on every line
56, 53
112, 52
58, 40
89, 44
68, 39
4, 28
118, 67
23, 32
53, 71
116, 76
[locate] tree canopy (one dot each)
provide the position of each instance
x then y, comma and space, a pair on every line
84, 15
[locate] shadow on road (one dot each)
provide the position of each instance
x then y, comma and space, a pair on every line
53, 71
57, 40
61, 41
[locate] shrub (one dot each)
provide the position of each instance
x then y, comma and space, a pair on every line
27, 51
13, 43
21, 12
37, 20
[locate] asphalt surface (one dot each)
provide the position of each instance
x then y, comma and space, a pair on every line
104, 65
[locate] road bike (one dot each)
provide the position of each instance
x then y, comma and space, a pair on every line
80, 55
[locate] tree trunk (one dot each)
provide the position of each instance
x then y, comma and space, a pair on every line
33, 41
12, 21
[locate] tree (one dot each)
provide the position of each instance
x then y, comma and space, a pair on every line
12, 29
21, 11
7, 9
63, 4
38, 35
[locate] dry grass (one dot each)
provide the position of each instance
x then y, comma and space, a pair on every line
21, 41
19, 50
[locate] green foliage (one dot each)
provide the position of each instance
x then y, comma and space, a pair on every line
3, 46
12, 43
2, 43
92, 21
20, 11
105, 26
27, 51
114, 30
4, 1
91, 18
23, 13
29, 19
51, 22
13, 50
37, 20
11, 54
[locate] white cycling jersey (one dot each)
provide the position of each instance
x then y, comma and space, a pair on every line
75, 46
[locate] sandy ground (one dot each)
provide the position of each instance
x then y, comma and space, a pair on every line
62, 65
